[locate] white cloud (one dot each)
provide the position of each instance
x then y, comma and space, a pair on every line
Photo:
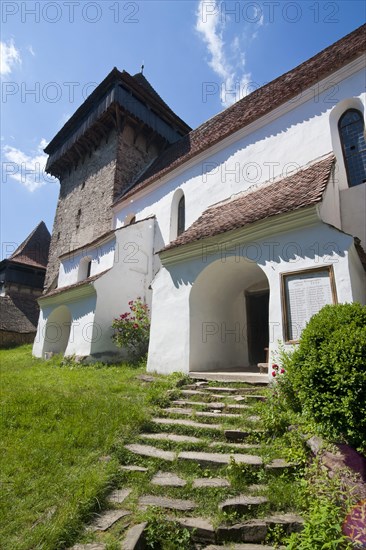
10, 56
226, 60
31, 50
26, 169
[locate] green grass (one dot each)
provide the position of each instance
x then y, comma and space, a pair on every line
56, 423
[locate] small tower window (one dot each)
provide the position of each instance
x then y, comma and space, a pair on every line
351, 133
88, 268
84, 268
181, 216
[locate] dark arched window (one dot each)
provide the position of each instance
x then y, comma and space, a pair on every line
181, 216
351, 133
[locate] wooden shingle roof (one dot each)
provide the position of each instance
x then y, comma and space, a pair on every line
19, 313
34, 249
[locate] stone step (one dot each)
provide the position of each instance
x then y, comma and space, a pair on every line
150, 451
205, 404
118, 496
217, 414
190, 412
223, 389
210, 405
201, 529
216, 459
133, 468
135, 537
166, 502
176, 438
89, 546
240, 435
254, 530
178, 410
192, 392
105, 520
187, 423
235, 445
250, 378
241, 547
195, 386
168, 479
203, 482
242, 504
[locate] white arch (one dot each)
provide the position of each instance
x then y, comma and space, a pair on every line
57, 331
173, 233
218, 313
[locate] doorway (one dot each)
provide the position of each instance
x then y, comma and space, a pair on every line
257, 305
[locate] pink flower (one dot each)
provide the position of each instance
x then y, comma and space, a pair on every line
135, 325
273, 373
130, 302
282, 371
274, 366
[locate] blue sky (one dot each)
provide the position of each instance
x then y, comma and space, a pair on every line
200, 55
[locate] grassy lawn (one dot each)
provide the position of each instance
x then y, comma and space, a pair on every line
56, 423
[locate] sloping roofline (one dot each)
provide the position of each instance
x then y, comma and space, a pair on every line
252, 107
137, 86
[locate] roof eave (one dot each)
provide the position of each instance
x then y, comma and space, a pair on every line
279, 223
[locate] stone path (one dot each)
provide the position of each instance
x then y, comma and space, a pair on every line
179, 444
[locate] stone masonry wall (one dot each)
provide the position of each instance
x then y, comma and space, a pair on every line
86, 194
132, 158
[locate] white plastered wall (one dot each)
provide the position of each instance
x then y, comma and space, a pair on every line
129, 278
314, 246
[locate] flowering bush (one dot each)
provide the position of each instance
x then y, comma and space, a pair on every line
276, 370
131, 329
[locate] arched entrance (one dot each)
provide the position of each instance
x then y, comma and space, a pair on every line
57, 331
229, 304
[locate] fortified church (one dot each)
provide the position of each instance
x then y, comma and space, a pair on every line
234, 233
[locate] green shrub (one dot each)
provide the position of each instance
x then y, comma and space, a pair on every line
325, 376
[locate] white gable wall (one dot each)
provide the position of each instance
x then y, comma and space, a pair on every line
101, 256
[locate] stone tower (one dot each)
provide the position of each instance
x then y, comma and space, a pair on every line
99, 153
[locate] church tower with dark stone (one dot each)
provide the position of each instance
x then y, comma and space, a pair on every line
99, 154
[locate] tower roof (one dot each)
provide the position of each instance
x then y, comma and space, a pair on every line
34, 249
134, 97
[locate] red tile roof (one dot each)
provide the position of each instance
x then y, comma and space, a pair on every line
84, 282
254, 106
303, 188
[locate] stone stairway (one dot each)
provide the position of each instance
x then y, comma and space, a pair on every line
189, 449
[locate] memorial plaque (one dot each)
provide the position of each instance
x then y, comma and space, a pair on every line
304, 293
